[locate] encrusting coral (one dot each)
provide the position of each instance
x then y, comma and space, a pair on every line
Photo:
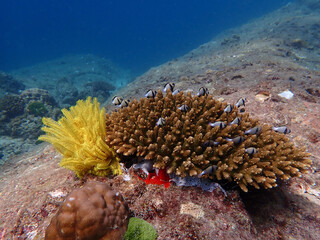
197, 135
80, 137
92, 212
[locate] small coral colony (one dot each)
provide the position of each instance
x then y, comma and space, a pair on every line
179, 134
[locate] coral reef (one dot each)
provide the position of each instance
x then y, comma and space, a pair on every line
9, 84
20, 120
94, 211
199, 133
79, 137
68, 93
21, 114
38, 95
11, 105
32, 101
26, 127
138, 229
99, 89
74, 77
267, 66
37, 108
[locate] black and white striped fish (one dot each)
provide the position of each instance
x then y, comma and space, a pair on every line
125, 103
183, 108
282, 129
236, 140
251, 150
161, 122
254, 130
168, 86
203, 92
175, 92
208, 171
150, 93
218, 124
210, 143
228, 108
236, 121
116, 100
241, 102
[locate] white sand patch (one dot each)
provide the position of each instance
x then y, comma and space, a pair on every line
192, 209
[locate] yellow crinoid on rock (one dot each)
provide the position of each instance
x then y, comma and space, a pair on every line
80, 137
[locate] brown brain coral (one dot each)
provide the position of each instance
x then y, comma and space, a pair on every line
90, 213
174, 132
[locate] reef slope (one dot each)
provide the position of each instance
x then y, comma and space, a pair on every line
258, 61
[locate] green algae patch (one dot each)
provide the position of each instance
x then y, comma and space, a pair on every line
138, 229
37, 109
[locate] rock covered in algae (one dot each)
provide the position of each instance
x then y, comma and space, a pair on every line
187, 135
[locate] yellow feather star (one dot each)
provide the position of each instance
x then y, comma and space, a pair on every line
80, 137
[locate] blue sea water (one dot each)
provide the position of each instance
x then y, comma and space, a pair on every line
135, 34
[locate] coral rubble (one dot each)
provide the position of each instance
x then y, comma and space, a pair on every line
198, 132
93, 212
79, 137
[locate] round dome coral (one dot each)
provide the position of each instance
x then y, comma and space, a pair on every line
92, 212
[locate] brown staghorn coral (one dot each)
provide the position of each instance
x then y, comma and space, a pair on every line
186, 144
90, 213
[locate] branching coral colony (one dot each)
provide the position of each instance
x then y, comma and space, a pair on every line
199, 136
178, 133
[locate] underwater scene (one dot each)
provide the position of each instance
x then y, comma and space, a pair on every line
144, 120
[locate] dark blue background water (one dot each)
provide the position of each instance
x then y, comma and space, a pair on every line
135, 34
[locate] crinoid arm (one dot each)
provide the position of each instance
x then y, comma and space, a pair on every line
80, 137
